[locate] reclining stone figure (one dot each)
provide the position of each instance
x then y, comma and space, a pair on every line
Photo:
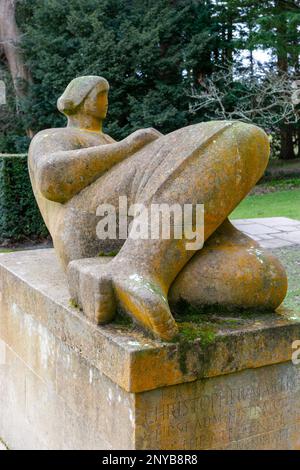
76, 169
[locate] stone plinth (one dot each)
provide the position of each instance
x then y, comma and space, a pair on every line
227, 383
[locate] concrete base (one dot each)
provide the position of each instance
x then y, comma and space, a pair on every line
68, 384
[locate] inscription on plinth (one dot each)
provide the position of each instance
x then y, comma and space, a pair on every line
251, 409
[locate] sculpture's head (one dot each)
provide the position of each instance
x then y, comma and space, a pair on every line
85, 96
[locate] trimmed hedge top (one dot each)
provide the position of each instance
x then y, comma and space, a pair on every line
19, 215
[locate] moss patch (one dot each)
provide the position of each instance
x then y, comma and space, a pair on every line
124, 320
74, 304
190, 331
108, 253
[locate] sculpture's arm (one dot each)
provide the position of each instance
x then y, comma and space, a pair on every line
62, 174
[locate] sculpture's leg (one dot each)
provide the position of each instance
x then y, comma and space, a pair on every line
219, 175
231, 272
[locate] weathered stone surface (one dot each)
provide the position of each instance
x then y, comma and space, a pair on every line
37, 302
254, 409
66, 383
77, 169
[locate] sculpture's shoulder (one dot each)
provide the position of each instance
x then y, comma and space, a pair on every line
50, 140
66, 138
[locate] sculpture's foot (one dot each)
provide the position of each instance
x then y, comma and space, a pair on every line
145, 301
99, 286
91, 288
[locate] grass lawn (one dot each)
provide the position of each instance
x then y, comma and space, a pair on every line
273, 204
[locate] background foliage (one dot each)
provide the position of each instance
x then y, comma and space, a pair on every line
19, 215
156, 54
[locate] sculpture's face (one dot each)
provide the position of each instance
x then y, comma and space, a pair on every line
96, 104
102, 104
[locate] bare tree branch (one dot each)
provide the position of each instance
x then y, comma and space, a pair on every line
267, 98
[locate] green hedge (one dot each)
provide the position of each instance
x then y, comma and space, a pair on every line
20, 218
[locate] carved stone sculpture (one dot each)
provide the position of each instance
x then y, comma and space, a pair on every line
76, 169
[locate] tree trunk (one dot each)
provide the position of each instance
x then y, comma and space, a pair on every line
229, 50
286, 131
9, 39
9, 43
287, 144
298, 142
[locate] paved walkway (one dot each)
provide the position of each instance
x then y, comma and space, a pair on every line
271, 232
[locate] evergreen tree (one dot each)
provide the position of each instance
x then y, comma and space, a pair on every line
151, 52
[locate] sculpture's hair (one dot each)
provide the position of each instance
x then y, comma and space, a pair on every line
76, 92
